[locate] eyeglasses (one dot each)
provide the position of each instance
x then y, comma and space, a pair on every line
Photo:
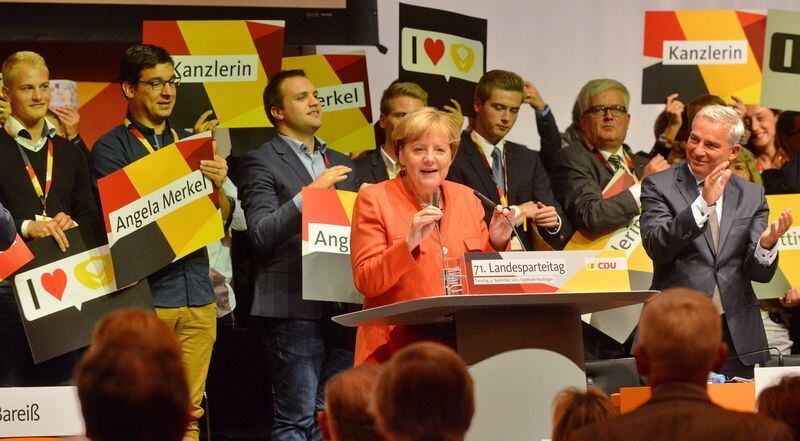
159, 84
616, 111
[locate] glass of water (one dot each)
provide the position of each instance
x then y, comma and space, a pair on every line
453, 276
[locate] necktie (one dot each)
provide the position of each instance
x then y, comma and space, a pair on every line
713, 224
615, 162
497, 169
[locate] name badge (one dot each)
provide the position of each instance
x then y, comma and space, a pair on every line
42, 218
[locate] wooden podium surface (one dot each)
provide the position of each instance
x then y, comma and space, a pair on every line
427, 310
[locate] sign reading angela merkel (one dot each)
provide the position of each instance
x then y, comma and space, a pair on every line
160, 208
327, 273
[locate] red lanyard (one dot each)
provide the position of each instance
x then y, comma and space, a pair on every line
138, 134
603, 160
503, 196
37, 186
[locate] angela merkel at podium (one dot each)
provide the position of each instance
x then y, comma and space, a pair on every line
395, 249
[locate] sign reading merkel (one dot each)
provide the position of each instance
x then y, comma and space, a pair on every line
160, 208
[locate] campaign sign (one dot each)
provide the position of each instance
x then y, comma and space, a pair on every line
780, 87
327, 272
61, 295
788, 245
40, 411
223, 65
343, 92
443, 52
700, 52
160, 208
14, 257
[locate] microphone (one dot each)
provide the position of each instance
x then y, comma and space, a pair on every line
768, 349
490, 205
435, 203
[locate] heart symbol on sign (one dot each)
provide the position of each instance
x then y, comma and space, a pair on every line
434, 49
55, 283
463, 57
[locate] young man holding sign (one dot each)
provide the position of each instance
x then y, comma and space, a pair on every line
46, 187
182, 292
304, 346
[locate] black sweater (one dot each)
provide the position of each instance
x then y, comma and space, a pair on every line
71, 188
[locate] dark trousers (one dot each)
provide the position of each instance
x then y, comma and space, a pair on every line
302, 355
733, 366
16, 363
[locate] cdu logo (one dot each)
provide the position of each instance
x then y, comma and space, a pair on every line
785, 53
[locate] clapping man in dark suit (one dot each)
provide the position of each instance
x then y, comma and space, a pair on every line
304, 346
506, 172
706, 229
582, 170
679, 343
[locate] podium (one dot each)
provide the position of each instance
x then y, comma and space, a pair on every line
521, 349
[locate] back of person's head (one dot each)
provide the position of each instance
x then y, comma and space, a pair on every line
701, 101
28, 58
680, 335
131, 381
424, 394
347, 399
273, 96
400, 89
598, 86
140, 57
573, 409
498, 79
782, 402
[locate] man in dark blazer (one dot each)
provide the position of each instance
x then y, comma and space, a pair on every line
506, 172
582, 170
304, 346
706, 229
679, 344
397, 100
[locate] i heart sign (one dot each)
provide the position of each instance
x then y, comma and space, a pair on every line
55, 283
434, 49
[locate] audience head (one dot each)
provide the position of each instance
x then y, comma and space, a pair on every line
782, 402
291, 103
744, 166
714, 139
424, 393
26, 86
131, 381
573, 409
397, 101
347, 398
788, 131
148, 80
426, 140
604, 113
498, 98
680, 338
761, 122
701, 101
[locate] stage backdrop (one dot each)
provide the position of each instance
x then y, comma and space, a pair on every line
557, 45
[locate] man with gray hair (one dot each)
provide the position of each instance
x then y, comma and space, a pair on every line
706, 229
582, 170
679, 344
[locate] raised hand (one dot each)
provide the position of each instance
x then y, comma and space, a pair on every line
715, 182
331, 176
776, 229
422, 225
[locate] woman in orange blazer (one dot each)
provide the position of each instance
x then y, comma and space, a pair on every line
394, 255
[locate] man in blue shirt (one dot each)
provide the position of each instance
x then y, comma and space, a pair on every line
182, 292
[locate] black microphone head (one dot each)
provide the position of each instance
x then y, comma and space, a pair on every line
435, 202
487, 203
